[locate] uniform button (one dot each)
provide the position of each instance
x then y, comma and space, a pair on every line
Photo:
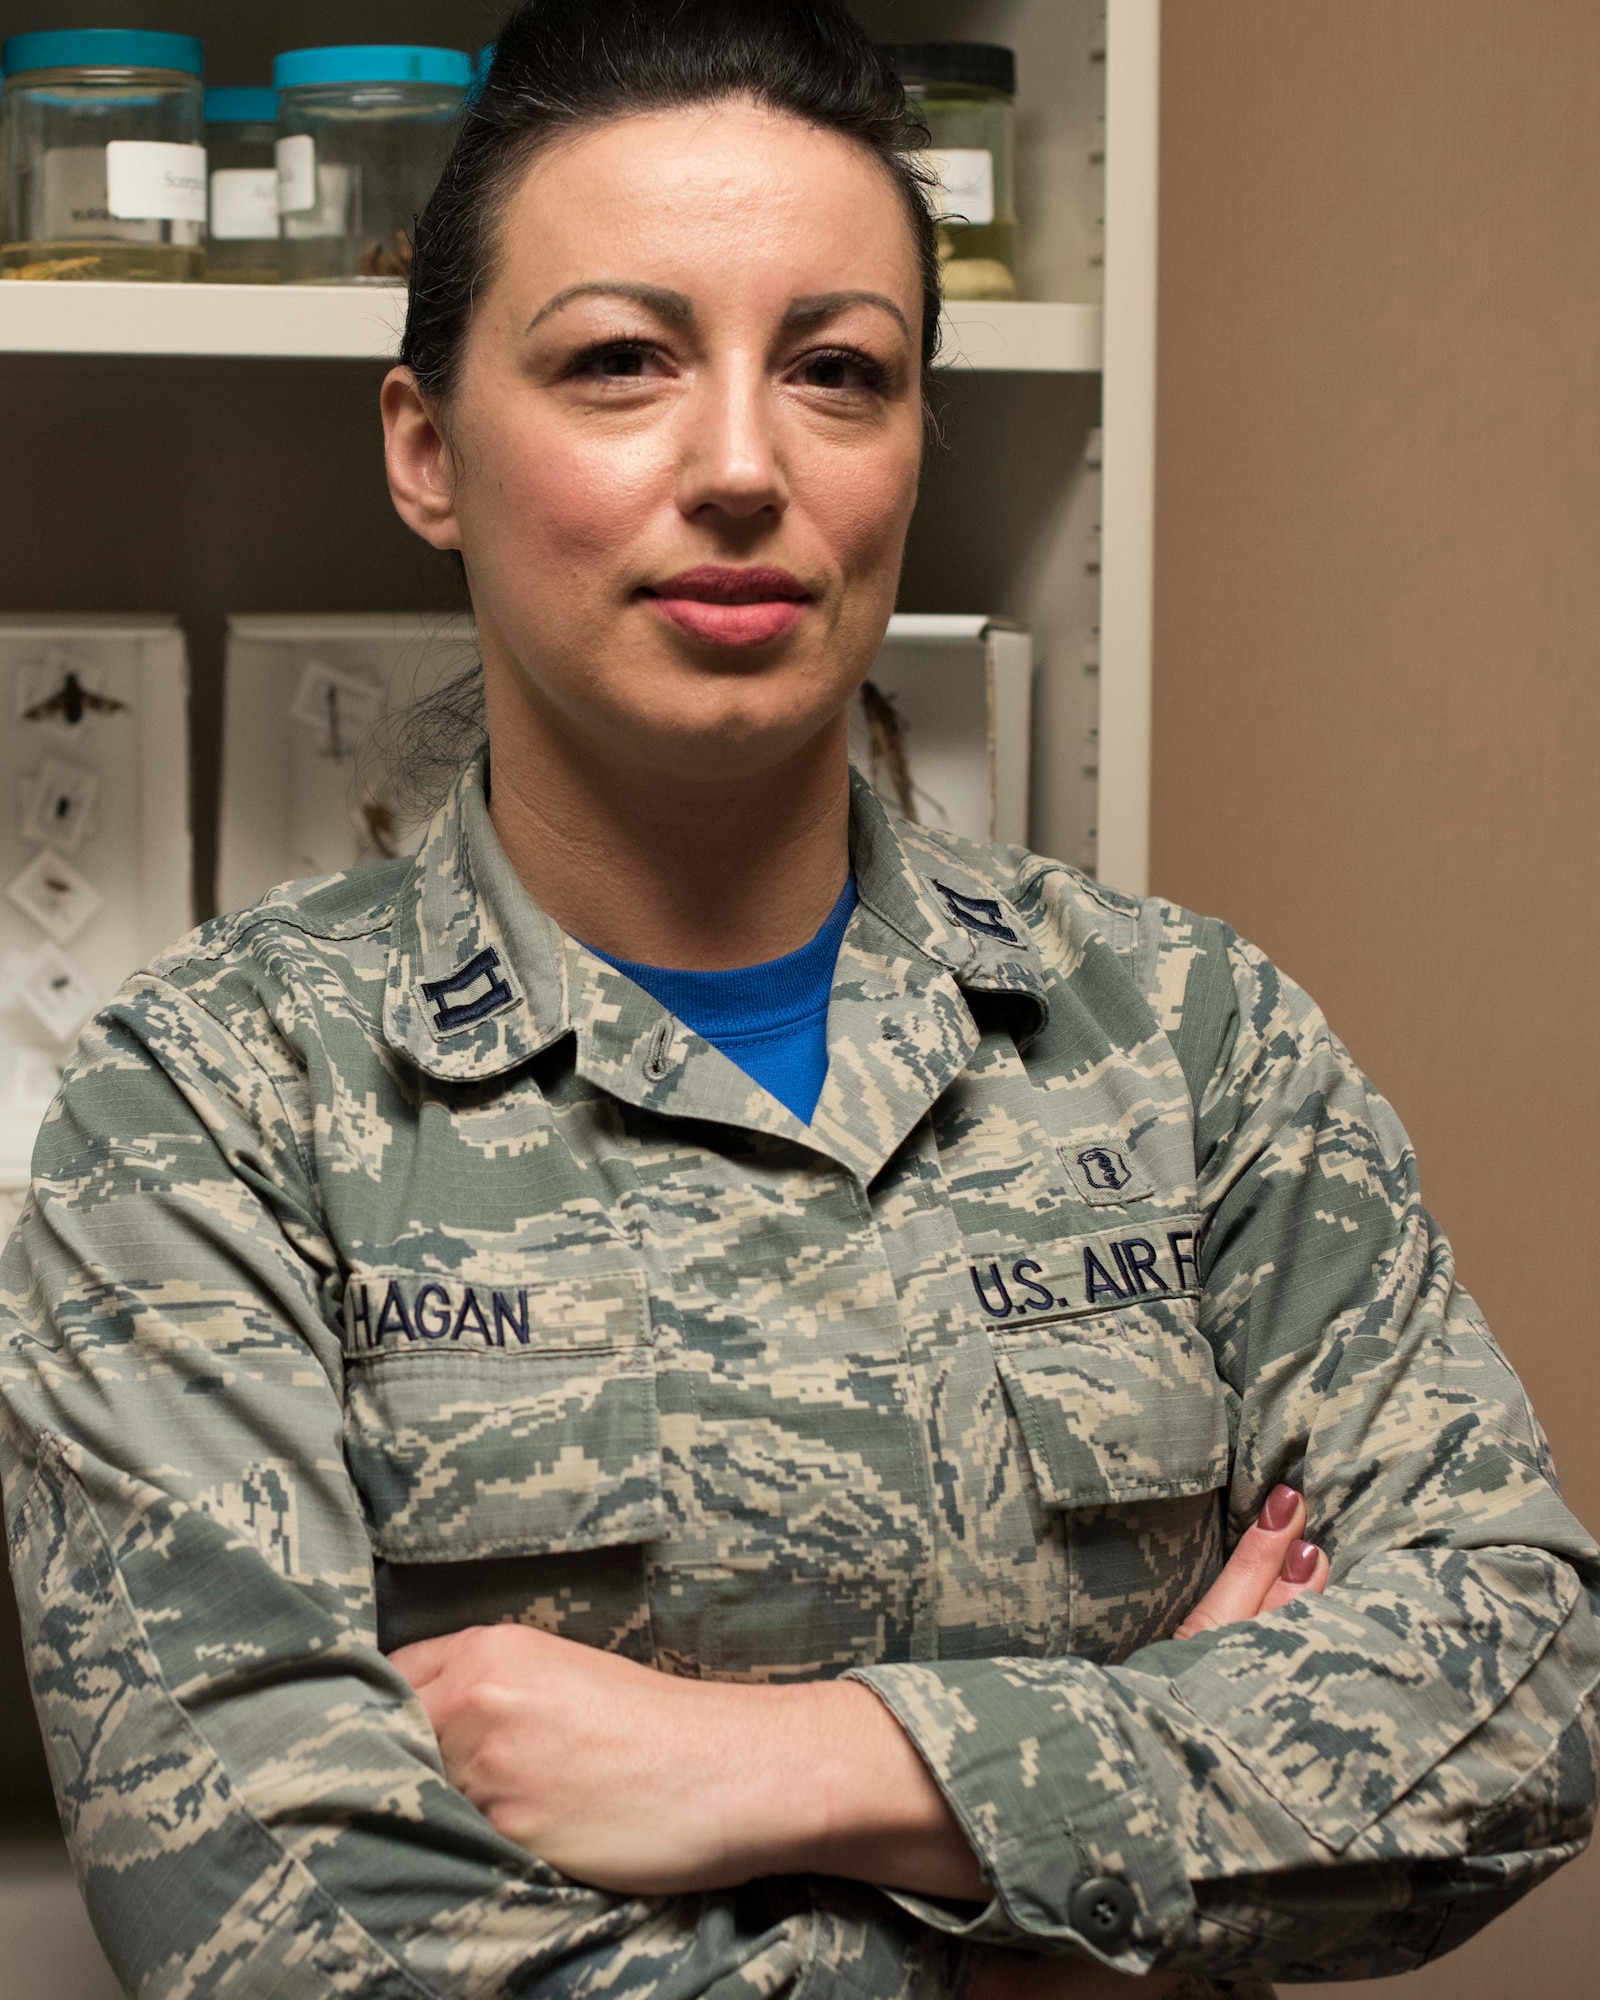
1102, 1910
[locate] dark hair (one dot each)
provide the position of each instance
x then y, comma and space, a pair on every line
559, 65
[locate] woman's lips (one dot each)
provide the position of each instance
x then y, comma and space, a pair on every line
725, 606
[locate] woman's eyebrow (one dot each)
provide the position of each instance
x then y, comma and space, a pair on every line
671, 306
824, 305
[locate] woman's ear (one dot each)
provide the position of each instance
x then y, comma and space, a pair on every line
418, 462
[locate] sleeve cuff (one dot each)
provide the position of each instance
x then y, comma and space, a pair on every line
1035, 1760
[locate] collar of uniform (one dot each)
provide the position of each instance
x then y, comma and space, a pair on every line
899, 1028
919, 885
480, 979
476, 970
899, 1033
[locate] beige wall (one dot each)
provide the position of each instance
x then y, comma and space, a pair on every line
1377, 721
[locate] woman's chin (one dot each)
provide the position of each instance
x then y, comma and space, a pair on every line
727, 741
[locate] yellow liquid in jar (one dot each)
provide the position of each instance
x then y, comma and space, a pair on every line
979, 261
151, 263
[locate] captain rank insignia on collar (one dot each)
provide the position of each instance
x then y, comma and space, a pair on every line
478, 990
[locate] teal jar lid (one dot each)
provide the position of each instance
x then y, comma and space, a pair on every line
372, 62
228, 105
100, 48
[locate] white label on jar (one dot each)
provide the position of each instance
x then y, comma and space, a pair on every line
148, 180
297, 174
966, 183
332, 211
244, 205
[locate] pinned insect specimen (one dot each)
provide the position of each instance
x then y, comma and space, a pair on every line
59, 803
55, 992
339, 708
52, 892
71, 702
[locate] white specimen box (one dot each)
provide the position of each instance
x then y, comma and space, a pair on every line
962, 688
94, 764
311, 706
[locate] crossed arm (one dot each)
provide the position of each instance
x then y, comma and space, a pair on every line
645, 1784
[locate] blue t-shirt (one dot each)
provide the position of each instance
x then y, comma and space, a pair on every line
772, 1019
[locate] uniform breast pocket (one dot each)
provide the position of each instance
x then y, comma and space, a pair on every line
507, 1438
1125, 1425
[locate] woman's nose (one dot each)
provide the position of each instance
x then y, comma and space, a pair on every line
731, 461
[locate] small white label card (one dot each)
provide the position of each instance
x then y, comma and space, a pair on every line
52, 892
244, 204
297, 173
56, 993
966, 183
338, 708
59, 803
150, 180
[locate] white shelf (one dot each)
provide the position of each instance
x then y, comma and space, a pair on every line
362, 323
1028, 338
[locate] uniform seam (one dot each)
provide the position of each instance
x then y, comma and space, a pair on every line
53, 1449
1031, 875
257, 920
1212, 972
1090, 924
819, 1923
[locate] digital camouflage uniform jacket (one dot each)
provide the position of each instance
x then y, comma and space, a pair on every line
393, 1264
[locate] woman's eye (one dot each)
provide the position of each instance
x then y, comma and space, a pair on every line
842, 372
618, 361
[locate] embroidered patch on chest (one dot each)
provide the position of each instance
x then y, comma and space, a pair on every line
397, 1313
411, 1312
1104, 1174
1117, 1267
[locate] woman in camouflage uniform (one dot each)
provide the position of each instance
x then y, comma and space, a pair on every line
504, 1505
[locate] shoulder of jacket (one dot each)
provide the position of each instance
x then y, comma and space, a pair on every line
358, 904
1181, 964
318, 948
1160, 940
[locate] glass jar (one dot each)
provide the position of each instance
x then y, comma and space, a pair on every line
362, 134
965, 93
102, 165
242, 230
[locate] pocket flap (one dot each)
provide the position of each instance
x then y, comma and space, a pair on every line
1117, 1407
467, 1449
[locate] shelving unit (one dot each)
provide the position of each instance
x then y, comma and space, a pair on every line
236, 410
213, 450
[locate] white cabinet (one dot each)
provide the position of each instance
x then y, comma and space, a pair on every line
212, 449
94, 839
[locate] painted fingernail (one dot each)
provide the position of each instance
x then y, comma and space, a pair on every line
1300, 1564
1278, 1509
